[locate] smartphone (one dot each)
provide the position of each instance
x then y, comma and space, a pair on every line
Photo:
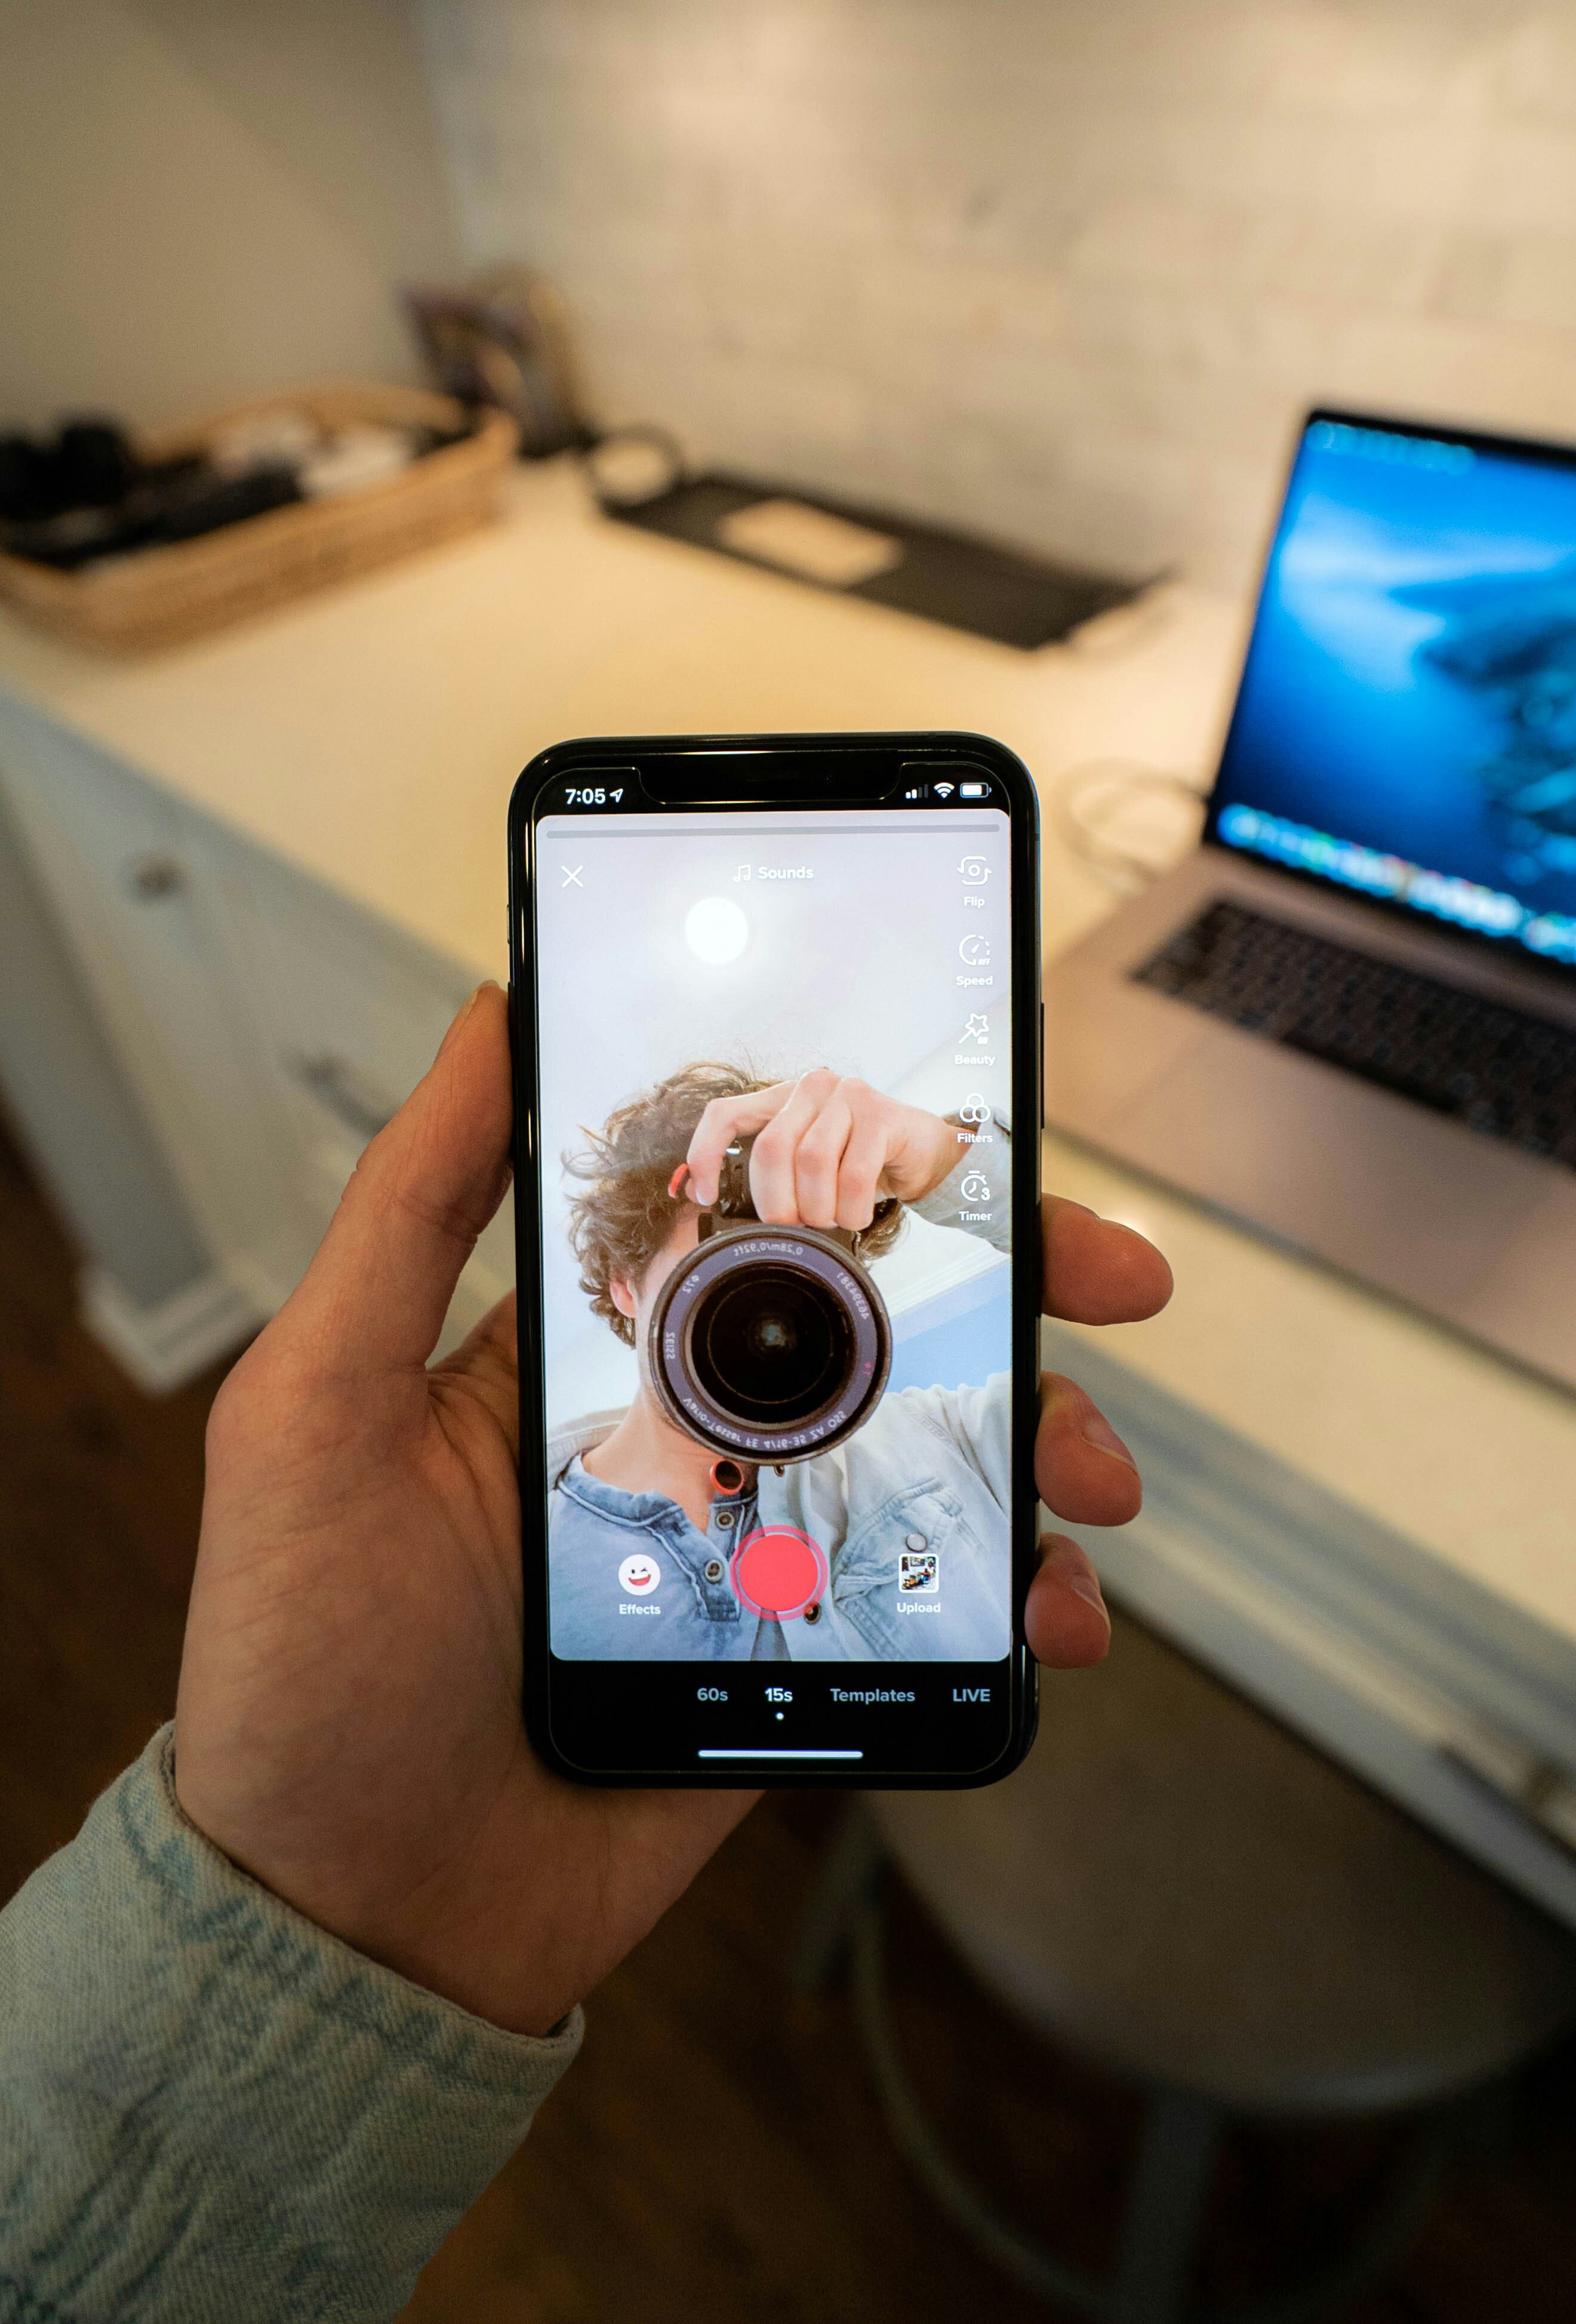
776, 1013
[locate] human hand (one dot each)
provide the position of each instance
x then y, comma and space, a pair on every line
348, 1725
827, 1149
1095, 1272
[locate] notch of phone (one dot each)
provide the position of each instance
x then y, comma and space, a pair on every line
744, 776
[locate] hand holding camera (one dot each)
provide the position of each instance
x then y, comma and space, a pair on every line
827, 1149
771, 1342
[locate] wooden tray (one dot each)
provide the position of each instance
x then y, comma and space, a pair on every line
160, 597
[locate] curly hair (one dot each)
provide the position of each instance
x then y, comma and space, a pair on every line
626, 1213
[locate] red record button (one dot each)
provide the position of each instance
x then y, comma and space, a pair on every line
779, 1571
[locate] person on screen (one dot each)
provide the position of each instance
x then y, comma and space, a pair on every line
911, 1511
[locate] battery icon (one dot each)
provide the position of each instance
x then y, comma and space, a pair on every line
974, 790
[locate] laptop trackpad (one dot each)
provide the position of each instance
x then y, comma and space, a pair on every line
1368, 1181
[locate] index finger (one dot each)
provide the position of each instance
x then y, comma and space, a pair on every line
1096, 1271
726, 1119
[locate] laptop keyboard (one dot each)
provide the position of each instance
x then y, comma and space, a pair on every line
1489, 1066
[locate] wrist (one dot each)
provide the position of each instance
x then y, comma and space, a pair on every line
444, 1945
950, 1144
466, 1970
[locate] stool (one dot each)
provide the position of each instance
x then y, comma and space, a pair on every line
1177, 1887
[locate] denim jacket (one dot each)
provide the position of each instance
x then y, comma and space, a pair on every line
927, 1473
211, 2111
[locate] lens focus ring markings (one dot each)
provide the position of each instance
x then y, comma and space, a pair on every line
691, 1354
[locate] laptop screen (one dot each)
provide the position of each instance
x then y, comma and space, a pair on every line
1406, 722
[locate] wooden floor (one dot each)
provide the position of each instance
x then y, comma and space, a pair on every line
715, 2156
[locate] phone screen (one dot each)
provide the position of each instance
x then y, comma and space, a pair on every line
775, 1183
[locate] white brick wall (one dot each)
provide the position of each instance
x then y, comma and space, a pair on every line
1064, 270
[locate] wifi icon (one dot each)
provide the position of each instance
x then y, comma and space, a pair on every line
942, 790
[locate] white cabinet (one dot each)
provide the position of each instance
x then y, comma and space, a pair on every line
267, 1027
346, 1016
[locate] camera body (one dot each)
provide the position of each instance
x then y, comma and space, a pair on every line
768, 1343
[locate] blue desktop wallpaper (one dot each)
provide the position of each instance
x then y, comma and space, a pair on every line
1408, 719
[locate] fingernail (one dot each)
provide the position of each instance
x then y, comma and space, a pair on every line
1085, 1584
487, 985
1096, 1429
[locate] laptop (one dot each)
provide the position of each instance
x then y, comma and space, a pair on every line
1349, 1019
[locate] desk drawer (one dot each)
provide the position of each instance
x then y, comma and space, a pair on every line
352, 1018
141, 900
269, 1026
351, 1015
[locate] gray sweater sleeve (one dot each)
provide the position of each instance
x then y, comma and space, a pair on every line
211, 2109
976, 1194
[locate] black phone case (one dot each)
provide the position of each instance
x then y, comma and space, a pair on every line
809, 761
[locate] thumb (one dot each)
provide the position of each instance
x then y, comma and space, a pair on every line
374, 1297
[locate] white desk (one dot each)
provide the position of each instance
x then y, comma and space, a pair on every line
370, 738
372, 735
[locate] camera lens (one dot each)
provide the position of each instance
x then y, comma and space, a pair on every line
774, 1348
769, 1342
